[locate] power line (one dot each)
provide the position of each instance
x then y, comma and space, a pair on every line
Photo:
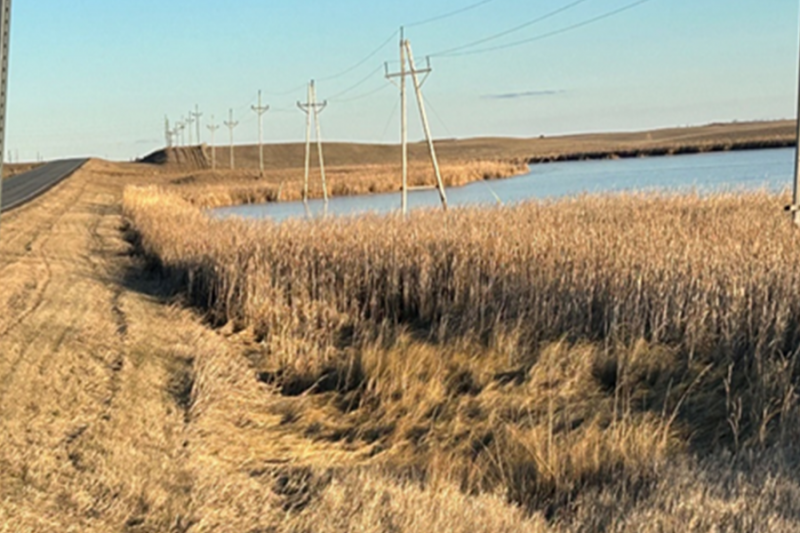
382, 88
449, 15
543, 36
361, 82
515, 29
439, 117
389, 122
367, 58
283, 93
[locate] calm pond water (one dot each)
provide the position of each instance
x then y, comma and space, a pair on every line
705, 173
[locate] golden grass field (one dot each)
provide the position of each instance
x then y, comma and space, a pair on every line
612, 363
552, 354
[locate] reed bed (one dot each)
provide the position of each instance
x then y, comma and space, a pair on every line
542, 350
222, 188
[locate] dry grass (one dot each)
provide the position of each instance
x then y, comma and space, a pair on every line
544, 352
14, 169
223, 188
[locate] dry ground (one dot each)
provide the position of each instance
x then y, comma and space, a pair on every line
121, 410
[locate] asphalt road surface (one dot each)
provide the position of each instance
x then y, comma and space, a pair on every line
27, 186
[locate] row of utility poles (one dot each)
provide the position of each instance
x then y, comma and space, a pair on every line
175, 133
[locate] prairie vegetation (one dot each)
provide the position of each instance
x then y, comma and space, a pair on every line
216, 189
597, 363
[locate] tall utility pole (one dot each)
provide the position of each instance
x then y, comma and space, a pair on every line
795, 207
167, 132
5, 30
424, 116
407, 60
260, 110
312, 109
403, 117
189, 122
196, 115
231, 125
213, 128
181, 127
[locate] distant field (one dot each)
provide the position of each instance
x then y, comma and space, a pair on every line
655, 142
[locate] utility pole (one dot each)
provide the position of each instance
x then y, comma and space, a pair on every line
407, 60
231, 125
181, 127
196, 115
424, 116
213, 128
189, 122
795, 207
260, 110
167, 132
403, 118
312, 109
5, 30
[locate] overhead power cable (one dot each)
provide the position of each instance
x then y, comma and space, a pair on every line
449, 15
566, 29
382, 87
361, 82
367, 58
284, 93
540, 18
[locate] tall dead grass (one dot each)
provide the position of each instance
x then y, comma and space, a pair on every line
216, 189
539, 351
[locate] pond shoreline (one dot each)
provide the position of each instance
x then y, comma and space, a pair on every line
661, 151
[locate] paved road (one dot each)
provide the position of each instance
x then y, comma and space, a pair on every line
27, 186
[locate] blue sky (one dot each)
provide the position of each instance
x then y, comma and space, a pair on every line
96, 77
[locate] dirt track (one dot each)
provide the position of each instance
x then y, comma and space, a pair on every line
89, 435
100, 428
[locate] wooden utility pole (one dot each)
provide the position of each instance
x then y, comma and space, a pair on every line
260, 110
181, 138
231, 125
167, 132
5, 30
404, 121
425, 124
189, 122
196, 115
407, 55
312, 109
213, 129
795, 207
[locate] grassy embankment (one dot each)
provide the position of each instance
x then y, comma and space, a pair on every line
592, 361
